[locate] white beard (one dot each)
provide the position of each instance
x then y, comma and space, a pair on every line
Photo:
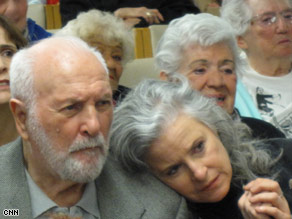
64, 163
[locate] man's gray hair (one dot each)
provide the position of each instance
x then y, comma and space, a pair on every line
200, 29
24, 61
153, 105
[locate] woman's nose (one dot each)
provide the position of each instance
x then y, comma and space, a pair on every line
198, 171
3, 65
215, 79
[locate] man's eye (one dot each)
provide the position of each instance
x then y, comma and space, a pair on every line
72, 107
103, 104
173, 170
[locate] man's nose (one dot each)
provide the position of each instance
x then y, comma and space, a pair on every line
90, 122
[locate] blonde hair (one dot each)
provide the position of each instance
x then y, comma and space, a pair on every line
97, 25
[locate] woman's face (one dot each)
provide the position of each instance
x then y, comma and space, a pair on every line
191, 159
113, 55
7, 50
211, 70
274, 40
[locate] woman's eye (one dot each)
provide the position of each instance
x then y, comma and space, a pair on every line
228, 71
173, 170
7, 53
117, 58
199, 71
199, 147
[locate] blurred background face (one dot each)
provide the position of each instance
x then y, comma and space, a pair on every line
113, 55
15, 11
191, 159
266, 38
210, 70
7, 50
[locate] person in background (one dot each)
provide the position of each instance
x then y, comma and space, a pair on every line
30, 2
111, 37
264, 33
203, 48
16, 12
62, 106
135, 13
10, 41
193, 146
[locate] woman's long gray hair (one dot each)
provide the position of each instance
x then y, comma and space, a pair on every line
153, 105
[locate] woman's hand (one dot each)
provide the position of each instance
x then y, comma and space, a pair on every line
152, 16
263, 198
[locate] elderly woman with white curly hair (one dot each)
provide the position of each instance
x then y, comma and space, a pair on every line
111, 37
264, 33
203, 49
193, 146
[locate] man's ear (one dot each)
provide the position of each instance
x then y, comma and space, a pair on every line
241, 43
20, 115
163, 76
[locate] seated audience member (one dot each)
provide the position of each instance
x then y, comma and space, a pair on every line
203, 48
16, 12
134, 13
62, 105
10, 41
264, 33
111, 37
192, 145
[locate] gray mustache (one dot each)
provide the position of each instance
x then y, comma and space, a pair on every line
92, 142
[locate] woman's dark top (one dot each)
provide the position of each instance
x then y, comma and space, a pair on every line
227, 208
120, 94
260, 129
169, 9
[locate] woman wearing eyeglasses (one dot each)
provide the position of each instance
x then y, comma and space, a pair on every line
264, 33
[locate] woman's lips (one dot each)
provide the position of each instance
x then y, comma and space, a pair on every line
4, 84
211, 184
284, 41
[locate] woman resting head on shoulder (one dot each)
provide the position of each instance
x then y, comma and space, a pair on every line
192, 145
109, 35
11, 40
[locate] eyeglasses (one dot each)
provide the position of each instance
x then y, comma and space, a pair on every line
270, 18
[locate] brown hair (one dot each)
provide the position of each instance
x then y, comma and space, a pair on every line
13, 33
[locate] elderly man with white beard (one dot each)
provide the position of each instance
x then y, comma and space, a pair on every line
62, 106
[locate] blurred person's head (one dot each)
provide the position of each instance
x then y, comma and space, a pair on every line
62, 105
10, 41
185, 140
263, 27
15, 11
109, 35
202, 48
